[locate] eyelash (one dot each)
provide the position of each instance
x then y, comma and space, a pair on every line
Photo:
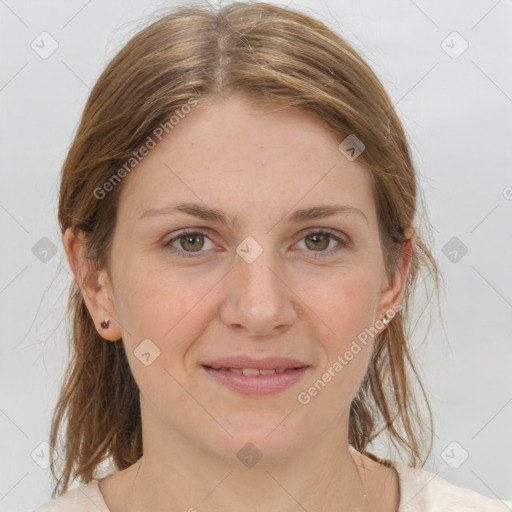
316, 254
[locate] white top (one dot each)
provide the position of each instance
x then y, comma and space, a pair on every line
420, 491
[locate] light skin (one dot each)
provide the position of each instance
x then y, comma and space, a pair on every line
258, 166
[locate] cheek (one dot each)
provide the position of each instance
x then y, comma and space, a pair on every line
345, 305
154, 296
344, 301
166, 305
163, 314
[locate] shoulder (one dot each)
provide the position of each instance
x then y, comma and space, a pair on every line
423, 491
84, 498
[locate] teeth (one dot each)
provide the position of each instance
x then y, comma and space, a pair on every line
252, 371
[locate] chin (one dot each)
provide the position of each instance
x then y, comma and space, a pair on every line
274, 433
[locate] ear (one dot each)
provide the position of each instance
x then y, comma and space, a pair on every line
95, 285
393, 292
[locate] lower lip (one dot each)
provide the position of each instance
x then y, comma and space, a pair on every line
257, 384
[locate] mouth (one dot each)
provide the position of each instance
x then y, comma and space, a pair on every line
254, 371
257, 378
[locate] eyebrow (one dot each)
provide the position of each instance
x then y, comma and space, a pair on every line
215, 215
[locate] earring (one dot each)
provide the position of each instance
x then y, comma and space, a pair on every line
105, 323
385, 321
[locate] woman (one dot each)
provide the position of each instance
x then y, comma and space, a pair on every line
238, 211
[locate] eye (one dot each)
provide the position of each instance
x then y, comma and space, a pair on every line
191, 242
320, 240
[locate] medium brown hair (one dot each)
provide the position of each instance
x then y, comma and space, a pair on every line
272, 55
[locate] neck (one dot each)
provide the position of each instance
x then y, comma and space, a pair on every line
179, 475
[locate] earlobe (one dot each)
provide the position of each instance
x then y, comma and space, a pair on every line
99, 301
94, 285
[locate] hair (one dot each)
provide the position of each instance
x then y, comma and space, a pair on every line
272, 55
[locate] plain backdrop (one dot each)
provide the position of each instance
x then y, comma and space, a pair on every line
446, 66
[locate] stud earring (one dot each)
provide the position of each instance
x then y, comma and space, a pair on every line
385, 321
105, 323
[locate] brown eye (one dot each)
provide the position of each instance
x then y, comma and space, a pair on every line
192, 242
318, 241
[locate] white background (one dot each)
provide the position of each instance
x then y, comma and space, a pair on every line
458, 116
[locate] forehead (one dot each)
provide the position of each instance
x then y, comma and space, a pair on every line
236, 156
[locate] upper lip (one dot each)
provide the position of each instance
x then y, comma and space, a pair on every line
269, 363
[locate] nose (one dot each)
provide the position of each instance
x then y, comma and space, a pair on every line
258, 299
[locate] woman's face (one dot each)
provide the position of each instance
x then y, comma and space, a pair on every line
265, 284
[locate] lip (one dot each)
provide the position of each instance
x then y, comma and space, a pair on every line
268, 363
256, 385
